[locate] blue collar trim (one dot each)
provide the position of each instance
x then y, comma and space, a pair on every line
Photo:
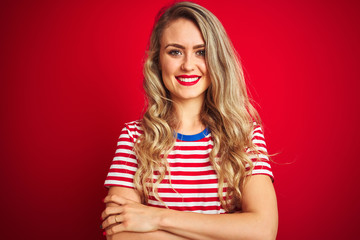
195, 137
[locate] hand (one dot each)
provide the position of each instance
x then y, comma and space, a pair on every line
128, 215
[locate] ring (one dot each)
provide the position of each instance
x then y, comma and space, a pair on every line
116, 219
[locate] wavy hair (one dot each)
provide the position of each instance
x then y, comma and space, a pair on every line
226, 111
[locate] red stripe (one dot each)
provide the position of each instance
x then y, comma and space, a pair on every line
187, 190
125, 163
136, 130
205, 139
260, 145
193, 148
127, 147
183, 156
179, 199
184, 173
123, 179
190, 182
123, 132
117, 185
126, 155
189, 208
121, 170
190, 164
125, 139
262, 168
256, 154
259, 168
258, 138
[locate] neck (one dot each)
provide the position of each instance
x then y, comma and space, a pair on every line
188, 114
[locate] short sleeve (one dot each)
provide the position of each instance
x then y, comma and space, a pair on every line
260, 158
124, 164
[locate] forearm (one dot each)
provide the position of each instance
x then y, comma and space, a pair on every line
259, 219
224, 226
157, 235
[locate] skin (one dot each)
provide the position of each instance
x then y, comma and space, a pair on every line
126, 218
182, 52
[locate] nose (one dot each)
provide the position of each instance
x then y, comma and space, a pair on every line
188, 63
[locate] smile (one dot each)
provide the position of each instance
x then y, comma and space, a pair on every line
188, 80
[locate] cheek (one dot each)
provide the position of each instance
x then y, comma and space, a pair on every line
168, 68
203, 68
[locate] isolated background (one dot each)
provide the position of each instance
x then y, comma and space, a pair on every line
71, 75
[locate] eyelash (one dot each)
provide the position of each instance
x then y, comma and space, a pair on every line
174, 52
201, 52
178, 52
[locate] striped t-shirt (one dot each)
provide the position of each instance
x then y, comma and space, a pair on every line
194, 184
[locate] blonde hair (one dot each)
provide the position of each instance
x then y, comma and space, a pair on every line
227, 111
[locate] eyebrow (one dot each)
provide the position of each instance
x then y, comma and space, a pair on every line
182, 47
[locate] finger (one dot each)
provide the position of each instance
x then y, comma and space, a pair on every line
112, 221
111, 211
115, 199
115, 229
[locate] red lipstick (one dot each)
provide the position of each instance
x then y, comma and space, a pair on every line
188, 80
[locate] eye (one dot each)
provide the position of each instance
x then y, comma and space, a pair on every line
201, 53
174, 52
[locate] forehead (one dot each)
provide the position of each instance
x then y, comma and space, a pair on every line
182, 31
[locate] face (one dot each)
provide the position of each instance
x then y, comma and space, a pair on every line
182, 61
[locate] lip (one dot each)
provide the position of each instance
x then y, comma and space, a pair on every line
187, 78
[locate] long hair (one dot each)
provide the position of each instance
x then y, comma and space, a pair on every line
227, 111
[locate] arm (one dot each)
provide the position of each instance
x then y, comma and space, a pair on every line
132, 195
258, 219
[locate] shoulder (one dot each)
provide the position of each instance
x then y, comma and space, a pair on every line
132, 129
134, 125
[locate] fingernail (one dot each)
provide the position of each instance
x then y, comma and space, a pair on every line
104, 233
101, 226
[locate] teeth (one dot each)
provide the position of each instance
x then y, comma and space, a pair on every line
188, 79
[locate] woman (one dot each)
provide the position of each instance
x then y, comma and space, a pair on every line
198, 150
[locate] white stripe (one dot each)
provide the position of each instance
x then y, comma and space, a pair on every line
125, 159
124, 175
259, 164
261, 149
188, 186
257, 134
262, 164
188, 160
194, 144
256, 156
207, 212
188, 195
257, 141
125, 143
191, 169
257, 148
262, 171
200, 177
120, 166
121, 150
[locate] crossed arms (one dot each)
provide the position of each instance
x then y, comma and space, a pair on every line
126, 218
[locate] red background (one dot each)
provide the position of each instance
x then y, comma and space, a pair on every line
71, 74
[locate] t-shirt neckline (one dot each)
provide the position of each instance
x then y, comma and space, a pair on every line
194, 137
